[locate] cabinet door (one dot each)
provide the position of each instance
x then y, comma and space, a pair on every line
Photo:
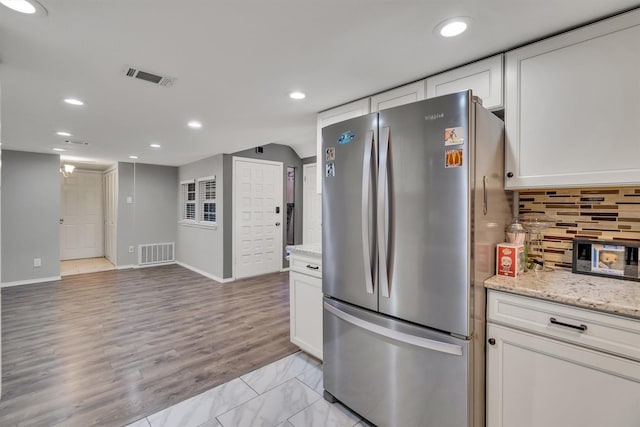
572, 106
399, 96
540, 382
484, 78
305, 296
336, 115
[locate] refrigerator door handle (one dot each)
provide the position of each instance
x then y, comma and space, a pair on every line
402, 337
382, 192
366, 179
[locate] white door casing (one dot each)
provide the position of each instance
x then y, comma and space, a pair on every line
311, 207
110, 188
257, 228
81, 231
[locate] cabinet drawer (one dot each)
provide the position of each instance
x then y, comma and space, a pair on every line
306, 265
606, 332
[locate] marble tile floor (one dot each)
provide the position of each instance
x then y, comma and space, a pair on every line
286, 393
84, 266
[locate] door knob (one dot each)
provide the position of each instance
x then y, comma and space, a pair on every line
277, 224
61, 220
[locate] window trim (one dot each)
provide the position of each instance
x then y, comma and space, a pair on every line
200, 202
183, 202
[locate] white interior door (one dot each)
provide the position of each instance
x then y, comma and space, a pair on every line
311, 207
81, 229
258, 216
110, 187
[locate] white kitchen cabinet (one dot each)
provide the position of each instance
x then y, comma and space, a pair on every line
484, 78
336, 115
305, 303
543, 374
399, 96
572, 106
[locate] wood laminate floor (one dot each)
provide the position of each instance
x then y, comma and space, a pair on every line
108, 348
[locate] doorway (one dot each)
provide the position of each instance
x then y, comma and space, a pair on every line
291, 199
257, 217
311, 207
82, 248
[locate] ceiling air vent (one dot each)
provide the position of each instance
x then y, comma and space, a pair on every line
82, 143
136, 73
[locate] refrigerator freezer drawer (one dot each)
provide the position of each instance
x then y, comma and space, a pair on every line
393, 373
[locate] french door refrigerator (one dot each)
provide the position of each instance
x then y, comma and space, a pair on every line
413, 206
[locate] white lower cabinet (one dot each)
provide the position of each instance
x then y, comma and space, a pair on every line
544, 381
305, 296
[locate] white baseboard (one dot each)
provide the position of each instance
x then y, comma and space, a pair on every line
155, 265
283, 270
124, 267
31, 281
204, 273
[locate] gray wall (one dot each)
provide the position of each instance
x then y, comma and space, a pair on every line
30, 215
308, 160
288, 157
202, 247
152, 216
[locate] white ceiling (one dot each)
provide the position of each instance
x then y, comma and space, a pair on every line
235, 61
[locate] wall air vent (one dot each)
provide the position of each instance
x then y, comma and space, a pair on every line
156, 79
156, 253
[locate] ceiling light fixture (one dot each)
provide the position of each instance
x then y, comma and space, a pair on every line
453, 27
30, 7
133, 157
154, 145
194, 124
59, 149
62, 133
73, 101
297, 95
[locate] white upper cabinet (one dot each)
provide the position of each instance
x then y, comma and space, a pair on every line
336, 115
572, 108
399, 96
484, 78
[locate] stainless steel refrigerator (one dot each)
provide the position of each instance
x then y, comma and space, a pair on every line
413, 206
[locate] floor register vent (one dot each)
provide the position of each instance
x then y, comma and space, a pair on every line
137, 73
156, 253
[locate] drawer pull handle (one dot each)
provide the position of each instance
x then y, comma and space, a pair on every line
581, 328
313, 267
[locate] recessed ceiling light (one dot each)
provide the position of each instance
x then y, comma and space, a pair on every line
453, 27
194, 124
133, 157
30, 7
297, 95
59, 149
154, 145
62, 133
73, 101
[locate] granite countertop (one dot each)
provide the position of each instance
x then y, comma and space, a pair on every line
599, 293
314, 250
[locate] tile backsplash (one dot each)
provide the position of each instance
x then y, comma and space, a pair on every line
583, 213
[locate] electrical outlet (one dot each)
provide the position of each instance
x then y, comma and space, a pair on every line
129, 200
37, 262
131, 249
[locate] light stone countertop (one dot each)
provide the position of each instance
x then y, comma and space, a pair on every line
599, 293
314, 250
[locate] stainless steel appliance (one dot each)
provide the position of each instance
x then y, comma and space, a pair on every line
413, 205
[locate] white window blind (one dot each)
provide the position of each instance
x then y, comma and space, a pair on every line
207, 200
189, 201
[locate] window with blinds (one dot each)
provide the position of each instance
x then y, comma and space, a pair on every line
207, 200
188, 201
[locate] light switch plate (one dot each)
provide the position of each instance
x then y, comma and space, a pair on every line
131, 249
37, 262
